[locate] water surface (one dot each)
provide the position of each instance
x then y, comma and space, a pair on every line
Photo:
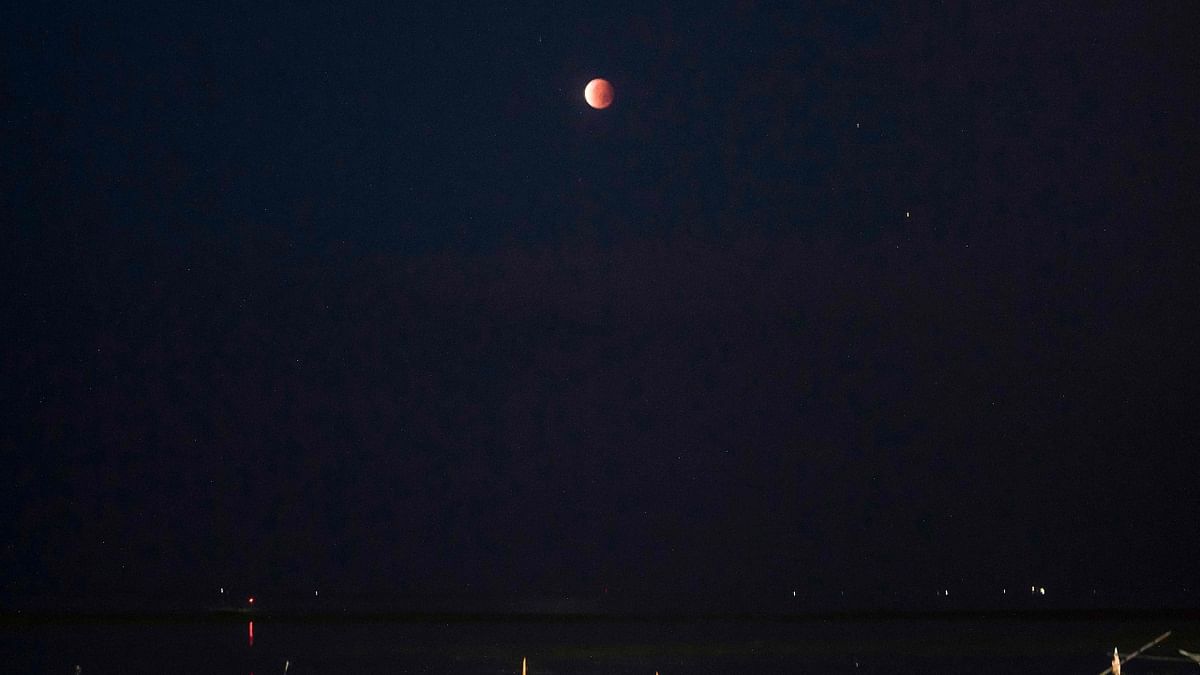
224, 645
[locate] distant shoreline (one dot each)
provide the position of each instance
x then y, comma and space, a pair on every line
35, 617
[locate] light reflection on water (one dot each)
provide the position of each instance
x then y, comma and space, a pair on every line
202, 646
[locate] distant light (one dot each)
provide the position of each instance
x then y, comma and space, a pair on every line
1004, 591
222, 590
1042, 590
1033, 589
793, 594
251, 633
947, 592
316, 593
252, 601
907, 214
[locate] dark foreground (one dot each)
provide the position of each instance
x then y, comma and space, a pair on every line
221, 643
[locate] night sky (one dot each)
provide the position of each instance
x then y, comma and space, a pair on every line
879, 299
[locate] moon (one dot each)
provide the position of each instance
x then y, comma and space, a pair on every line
598, 93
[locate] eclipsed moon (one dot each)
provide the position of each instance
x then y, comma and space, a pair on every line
598, 93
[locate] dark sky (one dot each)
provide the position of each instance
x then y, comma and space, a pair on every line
832, 296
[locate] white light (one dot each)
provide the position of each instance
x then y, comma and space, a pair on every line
316, 593
1042, 591
793, 594
222, 591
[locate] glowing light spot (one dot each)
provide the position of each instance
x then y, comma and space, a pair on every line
1042, 591
251, 601
251, 633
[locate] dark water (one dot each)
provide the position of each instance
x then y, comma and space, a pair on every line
223, 646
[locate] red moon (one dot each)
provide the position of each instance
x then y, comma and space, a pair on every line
598, 93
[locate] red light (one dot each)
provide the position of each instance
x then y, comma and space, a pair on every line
251, 633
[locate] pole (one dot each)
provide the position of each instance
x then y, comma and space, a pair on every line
1127, 659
